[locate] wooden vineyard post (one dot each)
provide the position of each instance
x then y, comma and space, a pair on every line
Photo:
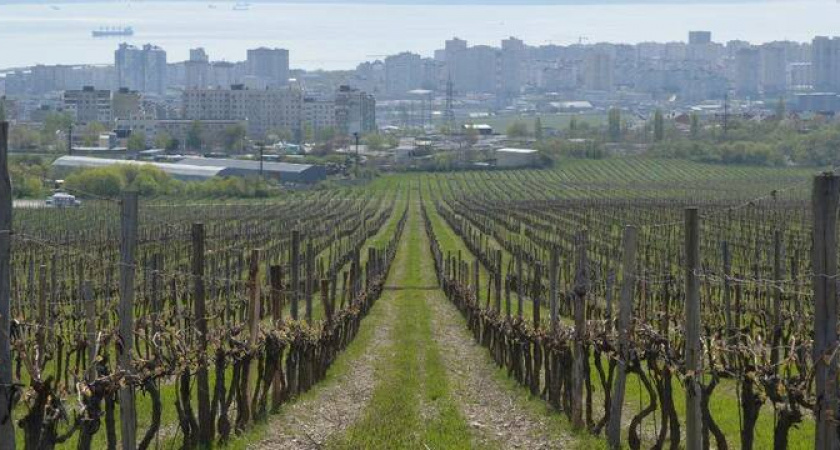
295, 257
7, 430
276, 280
43, 317
90, 330
476, 279
310, 279
498, 281
778, 273
536, 296
128, 419
519, 283
325, 301
206, 429
824, 264
253, 331
552, 273
693, 345
625, 320
580, 359
727, 293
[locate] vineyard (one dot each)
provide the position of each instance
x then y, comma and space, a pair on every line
648, 303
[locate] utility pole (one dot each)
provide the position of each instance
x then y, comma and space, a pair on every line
261, 146
70, 140
356, 136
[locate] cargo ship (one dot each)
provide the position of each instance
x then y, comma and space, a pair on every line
113, 31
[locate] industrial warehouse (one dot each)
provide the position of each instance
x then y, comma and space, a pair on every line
197, 169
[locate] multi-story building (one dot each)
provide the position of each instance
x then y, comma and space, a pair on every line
263, 110
773, 69
197, 69
89, 105
800, 76
355, 111
598, 71
699, 37
270, 65
126, 104
319, 114
403, 73
826, 63
512, 67
141, 69
747, 72
222, 73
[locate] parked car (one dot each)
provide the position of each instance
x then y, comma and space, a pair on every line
63, 200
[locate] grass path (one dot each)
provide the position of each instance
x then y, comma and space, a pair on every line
412, 405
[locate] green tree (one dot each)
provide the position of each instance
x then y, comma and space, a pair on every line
471, 135
233, 136
137, 142
2, 109
614, 125
695, 126
195, 136
55, 123
91, 133
538, 129
163, 140
375, 142
517, 129
658, 126
781, 109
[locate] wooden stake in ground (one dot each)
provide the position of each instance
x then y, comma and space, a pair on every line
7, 430
128, 418
625, 320
206, 429
693, 345
580, 357
824, 263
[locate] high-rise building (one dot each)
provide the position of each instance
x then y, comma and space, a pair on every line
197, 69
89, 105
800, 76
512, 67
355, 111
773, 69
747, 72
699, 37
141, 69
222, 74
598, 71
403, 73
479, 70
454, 52
826, 63
269, 64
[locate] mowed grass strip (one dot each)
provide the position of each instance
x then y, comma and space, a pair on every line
411, 406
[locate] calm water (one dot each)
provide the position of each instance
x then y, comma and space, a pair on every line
340, 36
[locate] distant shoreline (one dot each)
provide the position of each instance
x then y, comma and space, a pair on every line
416, 2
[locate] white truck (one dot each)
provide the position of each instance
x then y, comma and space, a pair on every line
62, 200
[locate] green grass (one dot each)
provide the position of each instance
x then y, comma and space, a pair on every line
411, 405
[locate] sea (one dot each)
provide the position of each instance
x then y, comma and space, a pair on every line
340, 36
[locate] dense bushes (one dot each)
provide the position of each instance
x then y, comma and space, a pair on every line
151, 181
